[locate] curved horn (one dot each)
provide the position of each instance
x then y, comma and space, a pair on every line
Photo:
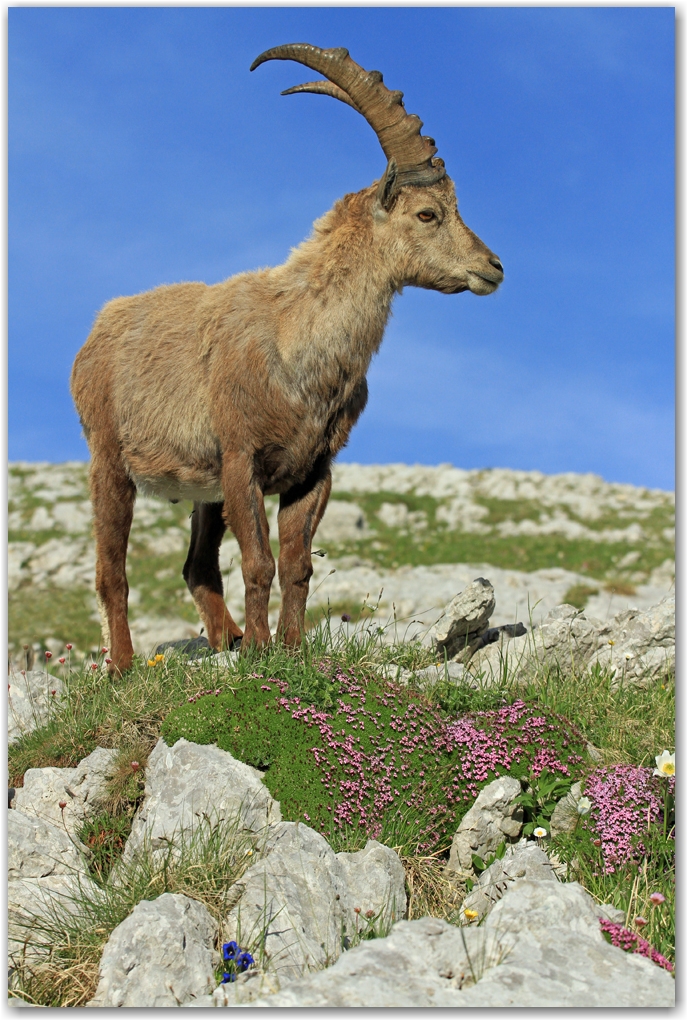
398, 132
322, 88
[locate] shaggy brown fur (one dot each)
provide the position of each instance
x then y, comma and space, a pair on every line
250, 387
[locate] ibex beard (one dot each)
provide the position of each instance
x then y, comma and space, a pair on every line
225, 394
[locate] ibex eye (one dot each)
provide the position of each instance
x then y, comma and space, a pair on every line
426, 216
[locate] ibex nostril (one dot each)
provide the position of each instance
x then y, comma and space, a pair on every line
496, 264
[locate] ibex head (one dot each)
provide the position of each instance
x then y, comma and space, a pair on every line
415, 212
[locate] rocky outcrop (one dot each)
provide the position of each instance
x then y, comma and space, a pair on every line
540, 946
46, 867
188, 782
566, 817
161, 955
525, 860
31, 698
493, 817
310, 902
456, 635
636, 645
66, 797
639, 645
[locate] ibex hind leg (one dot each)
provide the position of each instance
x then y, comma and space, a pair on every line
112, 495
203, 576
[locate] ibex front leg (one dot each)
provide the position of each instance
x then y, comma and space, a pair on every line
300, 511
244, 513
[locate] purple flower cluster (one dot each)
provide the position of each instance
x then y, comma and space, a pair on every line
201, 694
493, 742
626, 801
633, 943
383, 750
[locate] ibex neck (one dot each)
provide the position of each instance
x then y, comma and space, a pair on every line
337, 299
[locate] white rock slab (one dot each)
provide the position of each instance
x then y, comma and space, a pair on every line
161, 955
82, 790
188, 781
493, 817
541, 946
300, 899
30, 701
46, 870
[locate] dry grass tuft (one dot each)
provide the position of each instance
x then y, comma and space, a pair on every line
432, 891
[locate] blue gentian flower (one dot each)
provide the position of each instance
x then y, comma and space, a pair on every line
238, 960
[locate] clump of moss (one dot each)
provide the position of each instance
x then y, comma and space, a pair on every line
383, 762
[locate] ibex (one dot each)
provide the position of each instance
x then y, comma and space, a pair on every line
224, 394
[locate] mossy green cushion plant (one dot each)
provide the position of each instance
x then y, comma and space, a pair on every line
382, 762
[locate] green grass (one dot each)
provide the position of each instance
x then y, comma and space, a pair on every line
579, 595
62, 613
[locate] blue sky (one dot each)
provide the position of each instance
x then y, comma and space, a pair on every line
142, 151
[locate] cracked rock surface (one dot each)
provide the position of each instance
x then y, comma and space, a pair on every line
540, 946
186, 782
161, 955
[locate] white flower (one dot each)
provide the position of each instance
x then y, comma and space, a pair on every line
665, 764
584, 806
539, 832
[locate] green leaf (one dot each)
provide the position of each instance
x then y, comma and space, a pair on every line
501, 851
477, 863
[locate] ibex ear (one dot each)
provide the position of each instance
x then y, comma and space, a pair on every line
387, 186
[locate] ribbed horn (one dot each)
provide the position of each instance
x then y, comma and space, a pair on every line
322, 88
398, 132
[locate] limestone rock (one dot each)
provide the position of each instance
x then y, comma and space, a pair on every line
45, 870
43, 792
453, 672
160, 955
524, 860
634, 643
375, 880
83, 790
565, 816
464, 619
541, 946
37, 849
643, 643
304, 896
30, 900
188, 781
30, 701
492, 818
566, 637
88, 787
